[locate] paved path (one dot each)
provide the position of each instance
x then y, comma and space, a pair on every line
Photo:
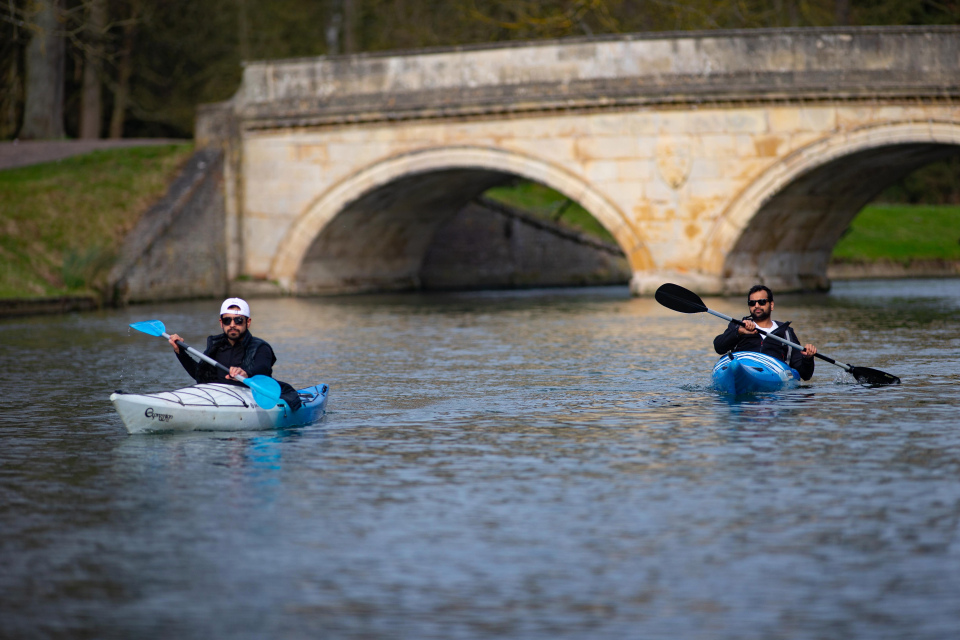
23, 153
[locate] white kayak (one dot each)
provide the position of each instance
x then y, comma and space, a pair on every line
214, 407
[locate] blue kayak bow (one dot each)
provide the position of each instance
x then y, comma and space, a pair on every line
266, 390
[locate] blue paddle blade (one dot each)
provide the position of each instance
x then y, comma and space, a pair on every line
151, 327
266, 390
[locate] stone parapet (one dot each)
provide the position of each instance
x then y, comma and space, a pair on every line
629, 70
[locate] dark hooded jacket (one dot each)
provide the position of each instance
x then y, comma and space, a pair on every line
731, 340
251, 354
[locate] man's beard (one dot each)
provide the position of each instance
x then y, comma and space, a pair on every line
759, 315
231, 335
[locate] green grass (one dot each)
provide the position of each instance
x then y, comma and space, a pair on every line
902, 233
544, 202
61, 223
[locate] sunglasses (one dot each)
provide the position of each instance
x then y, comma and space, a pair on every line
761, 302
227, 320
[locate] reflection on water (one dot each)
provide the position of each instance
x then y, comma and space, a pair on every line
517, 464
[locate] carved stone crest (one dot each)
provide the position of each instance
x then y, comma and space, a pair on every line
673, 162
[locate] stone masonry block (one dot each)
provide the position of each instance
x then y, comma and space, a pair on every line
659, 191
647, 146
717, 146
601, 171
556, 149
792, 119
634, 171
705, 169
607, 148
261, 238
710, 188
645, 123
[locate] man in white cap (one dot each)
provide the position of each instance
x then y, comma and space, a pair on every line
237, 349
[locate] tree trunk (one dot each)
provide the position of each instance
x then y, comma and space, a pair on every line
46, 58
350, 26
125, 70
841, 10
10, 98
332, 33
244, 27
91, 105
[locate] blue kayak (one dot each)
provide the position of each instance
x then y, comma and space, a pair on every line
750, 372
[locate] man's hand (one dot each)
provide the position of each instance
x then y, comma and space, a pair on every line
173, 342
808, 351
747, 327
236, 371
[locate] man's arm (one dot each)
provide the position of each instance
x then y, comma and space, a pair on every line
263, 361
727, 341
798, 361
189, 364
199, 371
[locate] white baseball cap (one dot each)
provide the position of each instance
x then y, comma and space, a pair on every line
235, 302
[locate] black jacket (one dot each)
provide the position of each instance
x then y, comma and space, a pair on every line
251, 354
731, 340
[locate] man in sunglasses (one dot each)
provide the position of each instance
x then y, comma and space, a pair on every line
236, 349
748, 338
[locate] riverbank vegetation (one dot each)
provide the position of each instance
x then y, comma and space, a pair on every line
544, 202
61, 223
901, 233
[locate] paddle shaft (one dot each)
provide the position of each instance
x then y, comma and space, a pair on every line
202, 356
847, 367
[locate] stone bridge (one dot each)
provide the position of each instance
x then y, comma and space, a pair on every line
715, 159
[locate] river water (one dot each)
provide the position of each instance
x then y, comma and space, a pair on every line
540, 464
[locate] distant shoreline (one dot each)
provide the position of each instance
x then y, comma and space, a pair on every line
24, 307
849, 270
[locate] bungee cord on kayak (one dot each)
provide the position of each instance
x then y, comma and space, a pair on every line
202, 396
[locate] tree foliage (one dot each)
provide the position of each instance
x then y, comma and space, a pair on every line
158, 59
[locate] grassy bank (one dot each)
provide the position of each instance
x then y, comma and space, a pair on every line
902, 233
544, 202
61, 223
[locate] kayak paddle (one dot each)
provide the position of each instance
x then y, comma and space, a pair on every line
675, 297
266, 390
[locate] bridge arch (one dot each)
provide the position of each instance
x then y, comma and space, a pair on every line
782, 228
470, 170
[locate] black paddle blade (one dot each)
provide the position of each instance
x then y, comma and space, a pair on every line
873, 377
675, 297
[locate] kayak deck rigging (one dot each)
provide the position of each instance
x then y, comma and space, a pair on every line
199, 396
